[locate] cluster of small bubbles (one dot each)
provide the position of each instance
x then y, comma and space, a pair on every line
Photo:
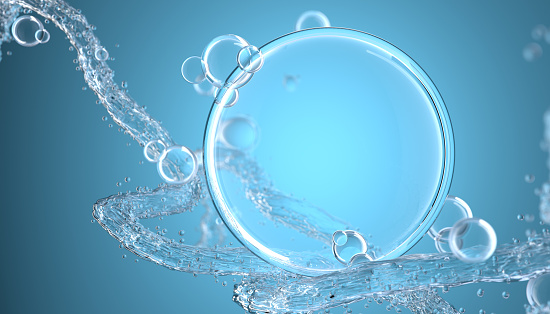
177, 165
101, 54
538, 290
472, 240
239, 133
533, 50
192, 70
290, 82
153, 150
311, 19
347, 244
529, 178
28, 31
250, 59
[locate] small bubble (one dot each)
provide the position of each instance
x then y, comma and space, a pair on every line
177, 165
472, 240
127, 179
101, 54
290, 83
123, 255
529, 178
192, 70
529, 217
219, 221
532, 52
480, 292
505, 294
136, 260
311, 19
117, 45
520, 217
24, 30
250, 59
153, 150
124, 84
224, 283
42, 36
104, 118
539, 32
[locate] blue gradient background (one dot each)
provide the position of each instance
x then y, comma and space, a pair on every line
59, 157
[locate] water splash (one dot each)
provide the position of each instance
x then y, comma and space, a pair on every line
408, 281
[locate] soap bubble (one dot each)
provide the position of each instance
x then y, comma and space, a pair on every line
153, 150
346, 244
226, 96
311, 19
101, 54
442, 241
290, 82
191, 70
250, 59
538, 290
204, 88
42, 36
177, 165
24, 30
454, 209
472, 240
539, 32
219, 58
240, 133
532, 52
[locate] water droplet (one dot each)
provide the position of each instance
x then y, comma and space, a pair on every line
311, 19
347, 244
529, 178
532, 52
42, 36
538, 290
472, 240
192, 70
101, 54
177, 165
24, 29
250, 59
240, 133
153, 150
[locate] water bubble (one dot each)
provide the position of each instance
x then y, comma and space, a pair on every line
181, 232
224, 283
227, 96
9, 53
539, 32
153, 150
480, 292
453, 210
520, 217
204, 88
219, 58
505, 294
532, 52
529, 178
538, 290
127, 179
219, 221
177, 165
290, 82
192, 70
311, 19
42, 36
124, 84
442, 241
529, 217
240, 133
472, 240
101, 54
250, 59
346, 244
123, 255
24, 29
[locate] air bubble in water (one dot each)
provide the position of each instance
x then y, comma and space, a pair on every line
219, 58
24, 30
153, 150
532, 52
177, 165
453, 210
505, 294
442, 241
228, 97
480, 292
346, 244
538, 290
42, 36
472, 240
539, 32
250, 59
529, 178
240, 133
311, 19
192, 70
290, 82
101, 54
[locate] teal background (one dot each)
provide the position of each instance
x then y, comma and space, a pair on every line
59, 157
